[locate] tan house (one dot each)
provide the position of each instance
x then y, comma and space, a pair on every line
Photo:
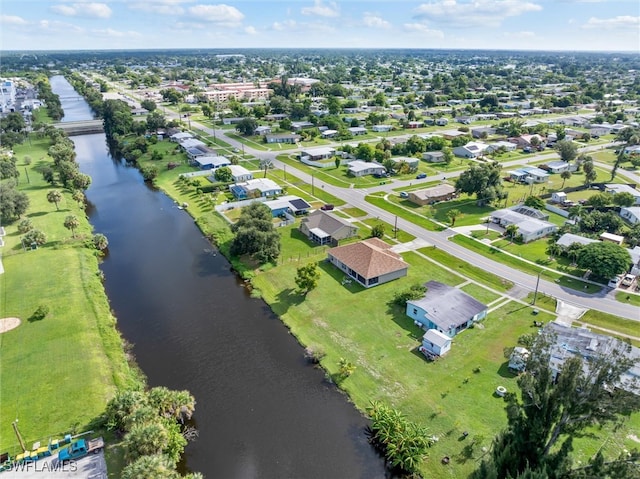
431, 195
369, 262
323, 227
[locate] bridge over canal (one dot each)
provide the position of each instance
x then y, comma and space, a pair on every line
86, 127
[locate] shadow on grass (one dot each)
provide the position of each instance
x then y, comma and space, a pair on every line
505, 372
353, 287
285, 299
38, 213
405, 322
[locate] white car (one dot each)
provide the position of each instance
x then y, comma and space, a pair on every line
615, 281
628, 280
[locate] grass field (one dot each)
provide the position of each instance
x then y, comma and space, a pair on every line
56, 374
630, 298
446, 396
497, 255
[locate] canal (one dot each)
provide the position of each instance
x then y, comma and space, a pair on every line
262, 411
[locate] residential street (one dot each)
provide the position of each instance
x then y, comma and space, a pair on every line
356, 197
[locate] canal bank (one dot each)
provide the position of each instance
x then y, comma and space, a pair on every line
262, 410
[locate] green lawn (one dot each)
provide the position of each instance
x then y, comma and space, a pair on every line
497, 255
466, 269
630, 298
56, 374
405, 209
446, 396
481, 294
485, 234
400, 236
609, 321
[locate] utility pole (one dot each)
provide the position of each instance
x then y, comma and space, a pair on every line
313, 191
20, 440
535, 294
395, 229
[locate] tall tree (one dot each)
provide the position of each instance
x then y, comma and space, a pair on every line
307, 277
54, 196
567, 150
604, 259
550, 411
452, 215
484, 181
565, 175
71, 223
255, 234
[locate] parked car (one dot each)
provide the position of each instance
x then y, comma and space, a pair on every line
614, 282
327, 207
420, 176
404, 194
628, 280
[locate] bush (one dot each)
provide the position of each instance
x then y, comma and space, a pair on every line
40, 313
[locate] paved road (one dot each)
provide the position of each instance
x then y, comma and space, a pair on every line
603, 301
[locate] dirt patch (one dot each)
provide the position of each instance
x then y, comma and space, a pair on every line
633, 437
7, 324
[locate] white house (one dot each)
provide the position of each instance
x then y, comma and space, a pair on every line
363, 168
473, 149
240, 173
315, 154
357, 130
442, 122
531, 222
505, 145
435, 343
559, 197
381, 128
621, 188
181, 136
631, 214
558, 166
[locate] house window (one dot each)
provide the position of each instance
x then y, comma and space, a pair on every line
415, 311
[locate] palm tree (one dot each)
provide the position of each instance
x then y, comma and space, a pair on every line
553, 250
565, 175
71, 223
347, 368
100, 242
452, 215
511, 231
54, 196
266, 164
576, 211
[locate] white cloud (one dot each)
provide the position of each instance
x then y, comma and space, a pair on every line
160, 7
223, 14
487, 13
625, 21
111, 33
12, 20
423, 30
519, 34
89, 9
250, 30
286, 25
374, 21
48, 26
321, 10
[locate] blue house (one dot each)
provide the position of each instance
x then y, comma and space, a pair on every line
258, 187
446, 309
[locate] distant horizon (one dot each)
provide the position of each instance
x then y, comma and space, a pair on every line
520, 25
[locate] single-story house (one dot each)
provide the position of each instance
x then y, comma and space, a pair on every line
443, 192
357, 130
622, 188
570, 342
451, 134
482, 131
442, 121
610, 237
323, 227
258, 187
232, 121
283, 138
411, 161
529, 174
381, 128
329, 133
473, 149
632, 150
369, 262
199, 151
415, 124
211, 162
240, 173
301, 125
276, 116
530, 221
181, 136
363, 168
557, 166
316, 154
506, 146
262, 130
559, 197
288, 204
191, 143
446, 309
631, 214
598, 130
435, 344
574, 134
465, 120
524, 141
433, 156
568, 239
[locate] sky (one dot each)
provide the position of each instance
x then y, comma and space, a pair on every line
584, 25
